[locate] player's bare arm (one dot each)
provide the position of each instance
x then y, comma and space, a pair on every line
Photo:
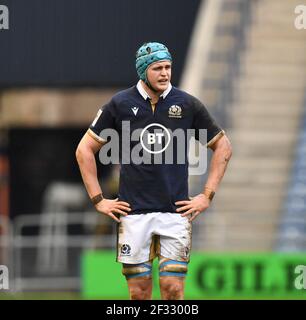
85, 155
222, 152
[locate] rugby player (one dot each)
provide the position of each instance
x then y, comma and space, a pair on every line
153, 210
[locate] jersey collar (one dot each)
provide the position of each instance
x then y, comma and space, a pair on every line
145, 95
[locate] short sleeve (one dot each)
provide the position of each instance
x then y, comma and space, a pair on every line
203, 120
103, 120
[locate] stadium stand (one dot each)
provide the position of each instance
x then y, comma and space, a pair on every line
265, 112
292, 229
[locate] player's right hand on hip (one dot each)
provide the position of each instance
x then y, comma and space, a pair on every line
110, 207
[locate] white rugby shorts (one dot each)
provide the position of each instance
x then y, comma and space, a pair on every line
142, 237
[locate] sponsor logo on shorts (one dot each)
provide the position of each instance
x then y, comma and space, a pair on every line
125, 250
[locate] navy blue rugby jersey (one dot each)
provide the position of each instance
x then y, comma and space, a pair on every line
151, 187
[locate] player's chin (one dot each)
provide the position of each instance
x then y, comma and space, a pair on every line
162, 86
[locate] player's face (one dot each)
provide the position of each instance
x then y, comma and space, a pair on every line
159, 75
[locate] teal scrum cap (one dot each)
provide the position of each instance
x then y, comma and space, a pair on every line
149, 53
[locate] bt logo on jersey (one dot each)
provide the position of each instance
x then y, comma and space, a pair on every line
4, 17
155, 144
156, 137
152, 137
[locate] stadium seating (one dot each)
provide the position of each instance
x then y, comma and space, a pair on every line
292, 230
263, 107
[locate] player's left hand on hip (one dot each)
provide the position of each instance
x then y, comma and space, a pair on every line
193, 207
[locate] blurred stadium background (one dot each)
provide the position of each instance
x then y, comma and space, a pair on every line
61, 60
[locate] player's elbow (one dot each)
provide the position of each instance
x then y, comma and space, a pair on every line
80, 153
227, 148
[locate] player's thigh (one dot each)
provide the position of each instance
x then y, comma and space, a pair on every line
134, 239
175, 237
